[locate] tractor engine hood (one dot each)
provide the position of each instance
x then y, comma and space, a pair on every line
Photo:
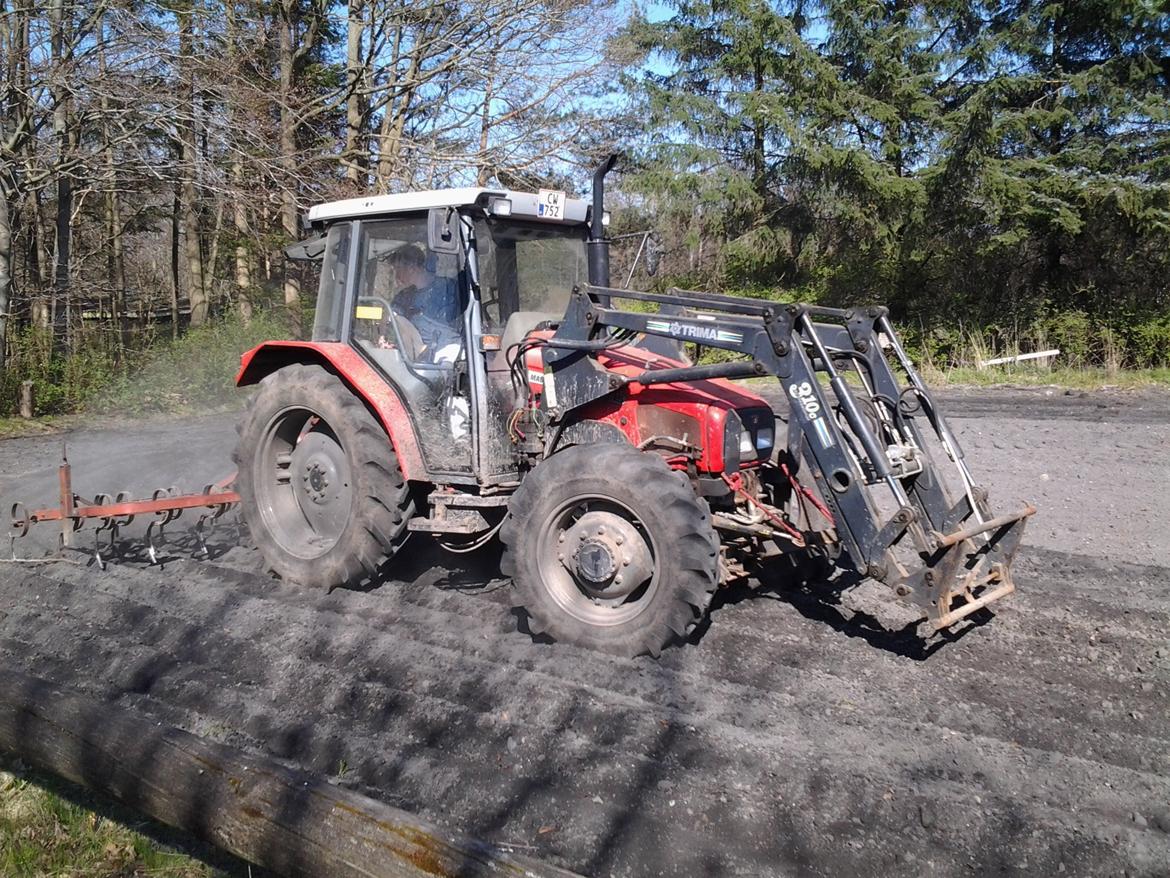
692, 417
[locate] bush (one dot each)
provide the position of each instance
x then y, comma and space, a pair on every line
61, 383
195, 371
1149, 343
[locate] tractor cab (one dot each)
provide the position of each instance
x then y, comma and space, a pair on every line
432, 289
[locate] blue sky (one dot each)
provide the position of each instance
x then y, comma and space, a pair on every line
654, 11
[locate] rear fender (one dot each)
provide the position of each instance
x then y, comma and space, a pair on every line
359, 376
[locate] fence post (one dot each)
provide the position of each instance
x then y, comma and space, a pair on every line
26, 399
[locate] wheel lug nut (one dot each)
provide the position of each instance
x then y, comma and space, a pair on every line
618, 579
601, 531
619, 540
626, 562
561, 538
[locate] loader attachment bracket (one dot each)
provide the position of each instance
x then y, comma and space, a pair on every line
971, 566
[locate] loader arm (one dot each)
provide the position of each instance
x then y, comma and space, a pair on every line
865, 441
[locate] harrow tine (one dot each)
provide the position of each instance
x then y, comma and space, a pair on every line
106, 522
202, 553
97, 552
124, 520
154, 535
18, 526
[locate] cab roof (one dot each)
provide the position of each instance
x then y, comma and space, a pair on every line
523, 204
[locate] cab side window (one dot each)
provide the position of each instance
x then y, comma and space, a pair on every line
409, 299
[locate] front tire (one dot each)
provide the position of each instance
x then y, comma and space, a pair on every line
610, 549
321, 490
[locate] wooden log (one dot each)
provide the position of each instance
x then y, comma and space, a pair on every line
26, 399
291, 822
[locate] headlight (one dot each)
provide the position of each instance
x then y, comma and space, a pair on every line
746, 449
765, 437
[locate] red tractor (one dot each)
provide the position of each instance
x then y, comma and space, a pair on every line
472, 374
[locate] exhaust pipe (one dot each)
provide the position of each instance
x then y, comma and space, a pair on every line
598, 244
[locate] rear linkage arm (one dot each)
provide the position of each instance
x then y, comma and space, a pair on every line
783, 340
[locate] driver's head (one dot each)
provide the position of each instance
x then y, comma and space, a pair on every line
410, 267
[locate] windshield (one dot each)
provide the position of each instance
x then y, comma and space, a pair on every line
528, 266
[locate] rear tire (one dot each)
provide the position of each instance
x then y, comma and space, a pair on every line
610, 549
321, 490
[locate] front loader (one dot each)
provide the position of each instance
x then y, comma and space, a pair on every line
473, 375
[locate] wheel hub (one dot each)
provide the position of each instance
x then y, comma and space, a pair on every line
319, 473
595, 561
607, 556
320, 483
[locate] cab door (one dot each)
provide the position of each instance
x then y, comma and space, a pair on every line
408, 316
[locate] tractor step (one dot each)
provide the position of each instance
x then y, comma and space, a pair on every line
457, 513
453, 521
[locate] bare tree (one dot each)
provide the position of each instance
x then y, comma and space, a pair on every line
189, 161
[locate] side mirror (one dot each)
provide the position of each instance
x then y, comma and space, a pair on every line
309, 250
654, 253
442, 233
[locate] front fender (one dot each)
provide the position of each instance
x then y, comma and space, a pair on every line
359, 376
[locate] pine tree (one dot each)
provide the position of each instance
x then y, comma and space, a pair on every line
1056, 158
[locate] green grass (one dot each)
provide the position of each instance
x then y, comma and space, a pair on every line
45, 831
1079, 379
44, 425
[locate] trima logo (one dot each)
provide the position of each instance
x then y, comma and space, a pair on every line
694, 331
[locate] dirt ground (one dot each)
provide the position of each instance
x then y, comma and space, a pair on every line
794, 735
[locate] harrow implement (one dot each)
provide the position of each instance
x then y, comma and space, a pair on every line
113, 513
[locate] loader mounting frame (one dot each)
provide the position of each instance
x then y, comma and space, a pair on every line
960, 553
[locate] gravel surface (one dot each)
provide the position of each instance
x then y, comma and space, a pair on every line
795, 734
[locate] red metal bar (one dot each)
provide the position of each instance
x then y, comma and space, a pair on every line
65, 478
134, 507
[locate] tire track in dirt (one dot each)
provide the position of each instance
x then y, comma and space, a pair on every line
602, 708
795, 736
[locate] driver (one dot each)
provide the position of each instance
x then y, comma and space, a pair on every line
429, 303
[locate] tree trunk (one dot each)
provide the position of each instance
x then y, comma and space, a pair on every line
216, 234
188, 131
5, 271
37, 265
355, 158
396, 110
64, 228
288, 149
758, 157
243, 267
176, 211
290, 822
485, 169
115, 259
